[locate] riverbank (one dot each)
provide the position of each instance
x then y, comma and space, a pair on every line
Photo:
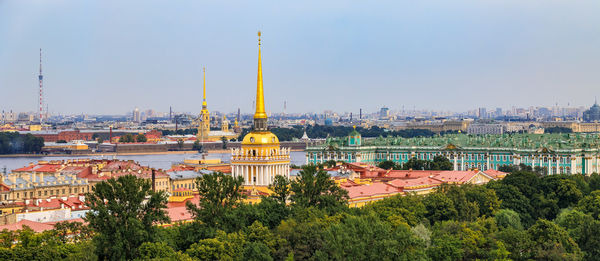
115, 154
102, 154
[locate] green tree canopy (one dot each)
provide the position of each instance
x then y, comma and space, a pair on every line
218, 194
314, 187
123, 214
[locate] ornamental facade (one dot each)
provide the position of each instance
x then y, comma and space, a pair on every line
260, 159
554, 153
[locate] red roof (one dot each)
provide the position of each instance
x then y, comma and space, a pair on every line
36, 226
455, 176
495, 173
410, 174
368, 190
179, 214
414, 183
55, 203
51, 168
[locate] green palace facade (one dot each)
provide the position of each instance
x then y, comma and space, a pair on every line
555, 153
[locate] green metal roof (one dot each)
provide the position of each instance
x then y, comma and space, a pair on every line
512, 141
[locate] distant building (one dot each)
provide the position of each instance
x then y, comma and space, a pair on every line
137, 117
203, 122
593, 114
384, 112
477, 128
554, 153
482, 113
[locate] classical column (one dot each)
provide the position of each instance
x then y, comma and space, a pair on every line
455, 162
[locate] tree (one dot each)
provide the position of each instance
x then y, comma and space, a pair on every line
315, 188
552, 242
507, 218
223, 247
590, 204
159, 250
368, 238
280, 188
141, 138
224, 142
416, 164
439, 207
127, 138
218, 194
441, 163
123, 214
387, 164
330, 163
180, 143
197, 146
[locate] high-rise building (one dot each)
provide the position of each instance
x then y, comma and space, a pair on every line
260, 159
137, 117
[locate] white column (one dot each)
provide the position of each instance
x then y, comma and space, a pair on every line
455, 166
261, 175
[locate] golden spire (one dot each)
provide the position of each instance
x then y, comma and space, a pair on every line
260, 99
204, 97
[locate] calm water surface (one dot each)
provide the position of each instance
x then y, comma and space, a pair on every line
161, 161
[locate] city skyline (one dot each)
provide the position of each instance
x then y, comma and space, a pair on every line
340, 56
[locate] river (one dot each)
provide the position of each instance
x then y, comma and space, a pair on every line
160, 161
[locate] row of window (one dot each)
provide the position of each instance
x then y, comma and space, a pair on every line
185, 186
48, 192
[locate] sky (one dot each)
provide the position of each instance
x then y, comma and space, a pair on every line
108, 57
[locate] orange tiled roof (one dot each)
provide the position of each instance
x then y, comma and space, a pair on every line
369, 190
36, 226
415, 183
179, 214
455, 176
495, 173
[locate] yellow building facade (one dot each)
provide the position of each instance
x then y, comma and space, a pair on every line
261, 158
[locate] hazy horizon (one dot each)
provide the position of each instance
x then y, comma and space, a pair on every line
112, 56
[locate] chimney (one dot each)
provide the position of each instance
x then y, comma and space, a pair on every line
153, 180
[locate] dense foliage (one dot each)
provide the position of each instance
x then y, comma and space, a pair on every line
522, 217
133, 138
13, 143
192, 131
438, 163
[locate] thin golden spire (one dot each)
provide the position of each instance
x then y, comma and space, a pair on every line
204, 89
260, 99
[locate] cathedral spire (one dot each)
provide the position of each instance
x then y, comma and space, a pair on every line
260, 99
204, 89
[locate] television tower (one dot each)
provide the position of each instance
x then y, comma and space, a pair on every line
41, 77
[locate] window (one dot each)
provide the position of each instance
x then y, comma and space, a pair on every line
45, 193
63, 191
17, 195
39, 193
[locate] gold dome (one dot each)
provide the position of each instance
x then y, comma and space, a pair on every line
260, 138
